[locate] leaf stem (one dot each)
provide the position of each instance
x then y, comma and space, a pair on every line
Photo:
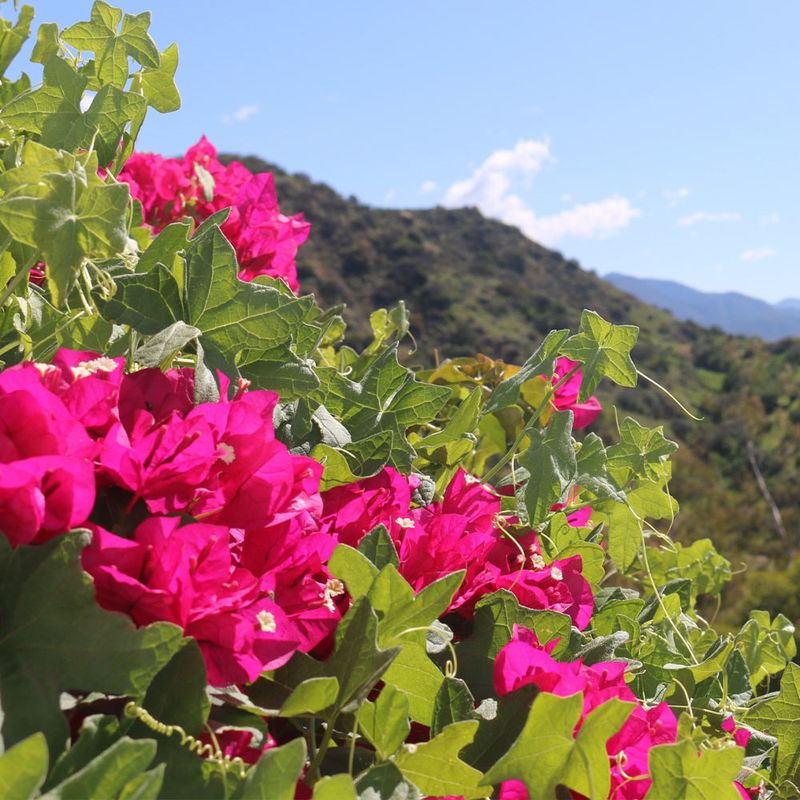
12, 284
313, 769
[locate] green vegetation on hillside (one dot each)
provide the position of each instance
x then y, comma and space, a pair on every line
476, 284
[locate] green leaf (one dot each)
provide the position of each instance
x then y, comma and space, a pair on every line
12, 38
680, 771
767, 645
604, 350
779, 717
402, 610
641, 451
624, 535
67, 219
146, 786
435, 767
170, 243
312, 696
593, 471
379, 548
55, 107
454, 703
177, 694
463, 422
353, 568
23, 768
387, 400
550, 460
385, 782
47, 43
385, 722
46, 598
275, 774
545, 755
541, 362
414, 674
233, 315
338, 469
111, 47
107, 775
335, 787
358, 662
496, 735
158, 85
163, 347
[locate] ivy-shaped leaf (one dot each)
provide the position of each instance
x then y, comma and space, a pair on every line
678, 770
112, 47
437, 770
547, 754
550, 459
232, 315
780, 717
385, 722
641, 451
604, 350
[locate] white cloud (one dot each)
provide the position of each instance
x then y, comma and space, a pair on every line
390, 195
675, 196
427, 187
770, 219
242, 114
489, 189
706, 216
757, 254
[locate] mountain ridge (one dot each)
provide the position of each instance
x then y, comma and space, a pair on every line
733, 312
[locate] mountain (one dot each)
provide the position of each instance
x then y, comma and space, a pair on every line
478, 285
732, 312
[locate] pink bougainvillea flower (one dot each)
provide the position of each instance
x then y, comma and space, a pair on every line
266, 241
187, 575
351, 511
523, 661
566, 396
47, 483
740, 735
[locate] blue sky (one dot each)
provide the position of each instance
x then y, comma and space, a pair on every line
654, 139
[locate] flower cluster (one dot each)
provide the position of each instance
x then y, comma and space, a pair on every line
201, 517
462, 531
198, 185
524, 662
132, 458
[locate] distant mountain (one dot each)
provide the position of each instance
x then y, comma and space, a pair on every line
732, 312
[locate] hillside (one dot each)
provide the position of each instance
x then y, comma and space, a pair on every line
474, 284
733, 312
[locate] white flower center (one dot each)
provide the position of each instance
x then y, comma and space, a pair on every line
226, 453
266, 621
404, 522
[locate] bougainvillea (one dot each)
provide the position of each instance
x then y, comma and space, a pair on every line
199, 185
241, 558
